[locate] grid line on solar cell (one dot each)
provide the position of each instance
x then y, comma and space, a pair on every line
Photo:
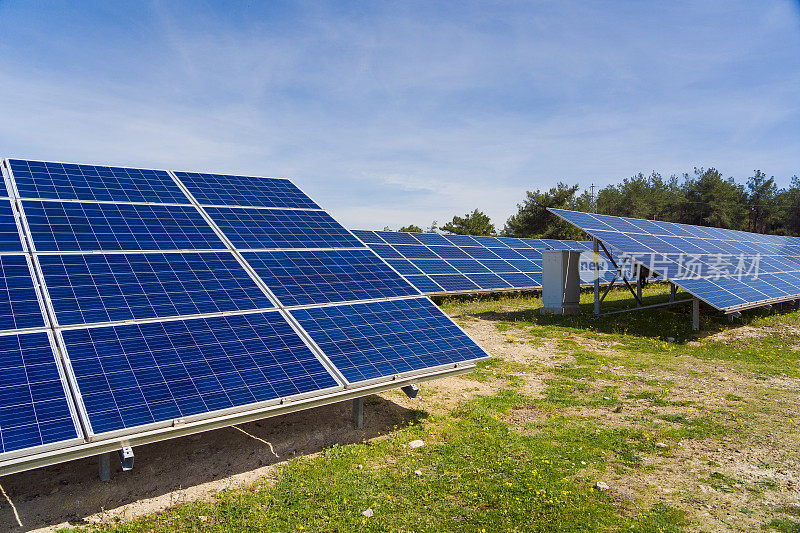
78, 226
64, 181
258, 228
135, 375
247, 191
19, 303
380, 339
93, 288
312, 277
33, 402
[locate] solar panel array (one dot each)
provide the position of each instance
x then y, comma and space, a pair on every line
726, 268
165, 297
439, 264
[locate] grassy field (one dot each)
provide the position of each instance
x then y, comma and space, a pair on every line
692, 433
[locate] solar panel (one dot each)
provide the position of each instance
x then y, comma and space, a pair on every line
380, 339
248, 191
271, 228
719, 266
86, 226
170, 296
324, 276
64, 181
34, 410
89, 288
465, 263
138, 375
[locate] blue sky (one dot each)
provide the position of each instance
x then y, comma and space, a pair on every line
403, 112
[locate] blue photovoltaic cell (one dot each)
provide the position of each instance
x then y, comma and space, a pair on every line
247, 191
397, 237
33, 403
369, 237
725, 268
90, 288
270, 228
454, 282
19, 305
312, 277
434, 266
137, 374
415, 251
81, 226
380, 339
9, 235
488, 281
64, 181
403, 266
424, 284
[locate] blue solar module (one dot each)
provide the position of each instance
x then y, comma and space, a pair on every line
365, 236
19, 305
89, 288
271, 228
81, 226
381, 339
246, 191
34, 410
455, 282
488, 281
305, 277
63, 181
513, 263
134, 375
719, 266
9, 234
424, 284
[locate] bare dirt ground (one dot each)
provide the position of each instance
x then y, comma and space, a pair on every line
758, 472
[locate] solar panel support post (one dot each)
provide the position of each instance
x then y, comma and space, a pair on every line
104, 466
358, 412
673, 289
695, 314
596, 261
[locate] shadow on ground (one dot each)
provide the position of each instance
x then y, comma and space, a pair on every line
70, 492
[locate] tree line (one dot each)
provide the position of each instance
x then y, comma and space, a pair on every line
703, 198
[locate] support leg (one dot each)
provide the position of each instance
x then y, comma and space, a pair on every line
596, 259
358, 412
639, 286
673, 289
696, 315
105, 466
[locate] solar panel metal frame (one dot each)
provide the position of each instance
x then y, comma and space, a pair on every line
726, 310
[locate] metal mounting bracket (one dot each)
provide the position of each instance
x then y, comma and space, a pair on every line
410, 390
126, 458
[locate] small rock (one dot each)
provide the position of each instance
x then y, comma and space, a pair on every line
606, 398
583, 462
360, 467
367, 514
414, 444
670, 339
660, 445
418, 472
601, 485
724, 378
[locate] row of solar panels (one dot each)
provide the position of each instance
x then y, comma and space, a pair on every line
730, 270
445, 264
134, 300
